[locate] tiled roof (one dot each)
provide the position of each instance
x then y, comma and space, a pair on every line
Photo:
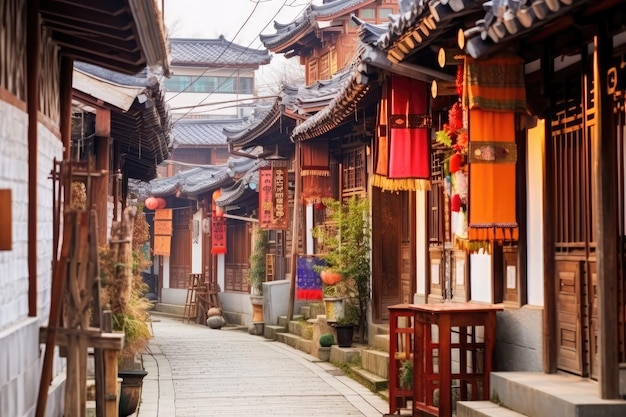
326, 11
201, 180
216, 53
144, 131
496, 22
199, 132
348, 91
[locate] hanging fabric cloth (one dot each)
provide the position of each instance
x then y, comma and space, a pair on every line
493, 92
402, 152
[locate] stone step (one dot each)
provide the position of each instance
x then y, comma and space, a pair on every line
483, 409
295, 342
301, 328
380, 342
372, 381
376, 362
282, 320
351, 355
546, 395
271, 331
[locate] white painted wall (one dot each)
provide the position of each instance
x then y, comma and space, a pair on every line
534, 212
19, 334
480, 277
196, 243
421, 257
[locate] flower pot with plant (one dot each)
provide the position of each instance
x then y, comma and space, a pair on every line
256, 277
326, 340
346, 324
344, 242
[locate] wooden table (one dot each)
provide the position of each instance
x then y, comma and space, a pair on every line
464, 330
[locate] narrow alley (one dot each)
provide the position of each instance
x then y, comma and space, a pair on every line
197, 371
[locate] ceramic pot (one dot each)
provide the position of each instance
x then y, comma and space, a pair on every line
130, 392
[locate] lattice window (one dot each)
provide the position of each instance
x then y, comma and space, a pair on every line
353, 171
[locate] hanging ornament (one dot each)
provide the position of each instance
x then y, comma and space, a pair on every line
455, 162
455, 203
151, 203
161, 203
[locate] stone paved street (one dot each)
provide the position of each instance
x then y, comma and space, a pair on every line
197, 371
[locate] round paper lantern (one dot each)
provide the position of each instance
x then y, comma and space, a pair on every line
161, 203
151, 203
319, 206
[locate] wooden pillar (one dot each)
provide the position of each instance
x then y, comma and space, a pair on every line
101, 184
550, 354
605, 170
295, 228
32, 86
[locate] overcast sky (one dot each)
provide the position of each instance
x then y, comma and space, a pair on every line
240, 21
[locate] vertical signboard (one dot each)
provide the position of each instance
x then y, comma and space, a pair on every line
162, 231
273, 198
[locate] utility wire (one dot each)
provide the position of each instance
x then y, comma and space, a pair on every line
222, 53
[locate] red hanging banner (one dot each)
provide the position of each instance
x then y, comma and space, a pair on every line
218, 227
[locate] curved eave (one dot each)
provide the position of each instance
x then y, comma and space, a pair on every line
342, 106
246, 136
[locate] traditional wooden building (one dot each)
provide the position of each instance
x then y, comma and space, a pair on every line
41, 41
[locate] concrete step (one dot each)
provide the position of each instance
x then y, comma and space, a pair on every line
372, 381
376, 362
547, 395
173, 309
483, 409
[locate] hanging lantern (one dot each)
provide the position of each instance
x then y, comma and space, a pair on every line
151, 203
219, 211
455, 203
455, 162
161, 203
319, 206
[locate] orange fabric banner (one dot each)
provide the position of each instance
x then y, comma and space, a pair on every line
492, 160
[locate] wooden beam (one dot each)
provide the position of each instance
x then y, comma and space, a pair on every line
101, 184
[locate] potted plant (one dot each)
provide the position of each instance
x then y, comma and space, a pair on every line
123, 292
256, 277
345, 242
326, 340
346, 324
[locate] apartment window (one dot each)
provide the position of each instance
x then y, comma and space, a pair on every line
384, 13
230, 85
367, 14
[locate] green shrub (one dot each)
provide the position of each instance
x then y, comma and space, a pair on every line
326, 340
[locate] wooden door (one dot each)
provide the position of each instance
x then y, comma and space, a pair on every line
570, 150
180, 252
392, 249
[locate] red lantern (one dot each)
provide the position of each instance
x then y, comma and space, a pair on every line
319, 206
455, 162
161, 203
455, 203
151, 203
219, 211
